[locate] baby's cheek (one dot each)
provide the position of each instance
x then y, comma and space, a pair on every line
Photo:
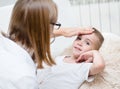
76, 54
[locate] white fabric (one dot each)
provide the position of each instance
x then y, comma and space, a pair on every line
16, 65
63, 75
24, 83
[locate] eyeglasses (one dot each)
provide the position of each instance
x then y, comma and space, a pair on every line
56, 25
52, 39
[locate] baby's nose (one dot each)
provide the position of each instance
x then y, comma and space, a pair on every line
80, 43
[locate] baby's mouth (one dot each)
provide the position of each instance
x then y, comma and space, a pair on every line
77, 48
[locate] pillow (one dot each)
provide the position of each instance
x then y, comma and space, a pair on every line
110, 50
60, 45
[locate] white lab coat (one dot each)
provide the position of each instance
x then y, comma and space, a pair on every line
17, 69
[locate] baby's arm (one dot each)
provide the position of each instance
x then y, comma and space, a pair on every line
95, 58
98, 63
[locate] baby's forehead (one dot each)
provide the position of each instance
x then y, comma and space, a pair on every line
87, 35
92, 37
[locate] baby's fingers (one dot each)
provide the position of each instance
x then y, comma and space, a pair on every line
80, 58
90, 60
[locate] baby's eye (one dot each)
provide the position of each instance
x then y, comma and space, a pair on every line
79, 38
87, 43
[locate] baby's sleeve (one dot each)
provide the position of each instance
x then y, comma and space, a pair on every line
86, 70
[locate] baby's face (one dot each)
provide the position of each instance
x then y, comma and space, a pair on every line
84, 43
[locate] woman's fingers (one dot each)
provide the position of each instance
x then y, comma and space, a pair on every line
88, 30
69, 32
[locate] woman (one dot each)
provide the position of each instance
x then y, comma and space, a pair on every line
31, 26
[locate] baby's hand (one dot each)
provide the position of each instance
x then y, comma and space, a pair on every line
86, 57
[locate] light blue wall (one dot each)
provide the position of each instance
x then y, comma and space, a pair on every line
6, 2
104, 16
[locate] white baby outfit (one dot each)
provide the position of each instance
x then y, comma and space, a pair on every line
63, 75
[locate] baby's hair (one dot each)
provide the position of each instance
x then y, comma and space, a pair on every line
100, 37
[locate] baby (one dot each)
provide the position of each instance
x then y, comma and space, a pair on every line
71, 71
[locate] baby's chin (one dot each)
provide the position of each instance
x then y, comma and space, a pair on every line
76, 55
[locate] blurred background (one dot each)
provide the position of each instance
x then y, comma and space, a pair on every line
102, 14
6, 2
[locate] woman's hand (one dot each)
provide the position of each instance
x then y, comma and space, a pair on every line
69, 32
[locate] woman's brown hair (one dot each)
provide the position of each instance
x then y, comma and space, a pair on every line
30, 26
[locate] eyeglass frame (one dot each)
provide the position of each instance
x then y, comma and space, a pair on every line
53, 39
59, 25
